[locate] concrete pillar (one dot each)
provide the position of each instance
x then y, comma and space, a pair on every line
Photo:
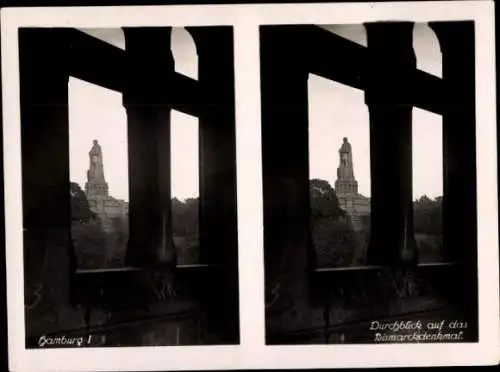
459, 138
146, 97
289, 254
389, 83
217, 154
49, 257
217, 141
457, 41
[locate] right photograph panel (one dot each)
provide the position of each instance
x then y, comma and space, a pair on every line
369, 181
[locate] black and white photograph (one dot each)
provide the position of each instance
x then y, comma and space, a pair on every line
369, 161
250, 186
129, 225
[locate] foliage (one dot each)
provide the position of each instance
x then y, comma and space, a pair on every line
97, 248
324, 202
117, 238
332, 234
334, 241
90, 244
428, 227
427, 216
362, 243
185, 227
88, 238
80, 208
185, 217
365, 222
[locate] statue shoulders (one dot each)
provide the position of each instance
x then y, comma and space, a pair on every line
96, 148
95, 151
346, 147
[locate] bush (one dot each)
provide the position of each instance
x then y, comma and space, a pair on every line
332, 235
90, 244
335, 243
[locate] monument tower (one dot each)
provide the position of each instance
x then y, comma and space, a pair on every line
97, 191
346, 183
96, 185
346, 188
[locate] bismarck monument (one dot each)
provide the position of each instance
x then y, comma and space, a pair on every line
346, 188
97, 191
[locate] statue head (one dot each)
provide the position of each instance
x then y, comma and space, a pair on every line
345, 139
94, 142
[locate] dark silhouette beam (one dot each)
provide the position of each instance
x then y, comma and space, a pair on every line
95, 61
103, 64
217, 162
459, 138
285, 149
457, 41
45, 168
335, 58
146, 95
389, 96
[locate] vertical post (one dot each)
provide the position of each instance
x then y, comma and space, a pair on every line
459, 138
217, 214
389, 83
285, 158
457, 41
49, 257
148, 91
2, 202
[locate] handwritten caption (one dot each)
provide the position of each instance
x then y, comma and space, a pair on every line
64, 341
418, 331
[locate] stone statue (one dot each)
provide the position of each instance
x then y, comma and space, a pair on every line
345, 169
345, 153
346, 188
96, 169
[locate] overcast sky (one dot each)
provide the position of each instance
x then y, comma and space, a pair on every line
335, 111
98, 113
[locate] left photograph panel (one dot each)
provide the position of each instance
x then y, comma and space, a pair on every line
128, 186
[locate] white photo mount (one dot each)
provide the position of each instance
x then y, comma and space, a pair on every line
251, 351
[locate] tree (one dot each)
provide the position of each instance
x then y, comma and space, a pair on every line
88, 237
185, 222
324, 202
427, 216
333, 238
334, 242
362, 242
428, 226
117, 239
185, 217
90, 244
80, 208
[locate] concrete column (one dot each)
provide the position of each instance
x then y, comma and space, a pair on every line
289, 254
459, 138
148, 91
389, 82
217, 139
49, 257
217, 154
457, 41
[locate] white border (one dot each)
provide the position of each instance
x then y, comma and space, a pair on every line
252, 353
